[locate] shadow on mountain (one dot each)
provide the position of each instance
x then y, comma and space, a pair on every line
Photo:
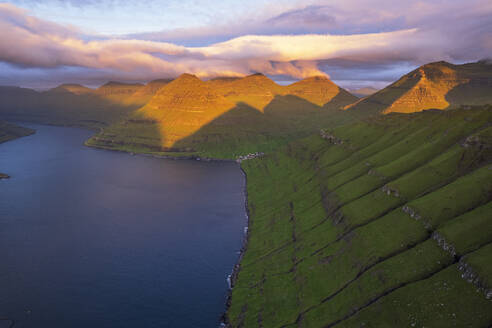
122, 136
61, 107
474, 85
438, 85
289, 105
383, 99
244, 129
341, 99
475, 91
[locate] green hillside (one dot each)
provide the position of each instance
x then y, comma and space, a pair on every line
226, 118
381, 223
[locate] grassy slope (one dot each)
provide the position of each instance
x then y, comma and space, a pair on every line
228, 117
373, 227
10, 131
438, 85
240, 131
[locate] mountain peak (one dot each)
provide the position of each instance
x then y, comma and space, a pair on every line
438, 63
119, 84
314, 80
188, 76
72, 88
437, 85
257, 77
114, 88
70, 85
159, 81
317, 78
320, 90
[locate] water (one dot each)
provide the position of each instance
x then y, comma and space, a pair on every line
93, 238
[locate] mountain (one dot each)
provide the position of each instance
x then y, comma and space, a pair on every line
256, 90
438, 85
182, 107
237, 114
364, 92
63, 105
218, 82
122, 93
321, 91
75, 104
72, 88
151, 88
118, 88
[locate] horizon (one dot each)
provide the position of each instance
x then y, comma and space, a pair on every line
284, 82
143, 83
356, 43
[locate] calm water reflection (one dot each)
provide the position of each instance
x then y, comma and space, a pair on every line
92, 238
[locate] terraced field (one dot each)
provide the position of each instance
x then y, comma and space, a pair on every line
382, 223
227, 118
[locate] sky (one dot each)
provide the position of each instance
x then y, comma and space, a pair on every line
357, 43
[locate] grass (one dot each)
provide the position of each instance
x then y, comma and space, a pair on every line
240, 131
341, 233
376, 221
225, 119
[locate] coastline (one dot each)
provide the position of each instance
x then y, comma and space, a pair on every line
232, 278
24, 132
224, 322
184, 157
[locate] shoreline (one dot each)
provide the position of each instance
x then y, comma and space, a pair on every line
232, 278
185, 157
224, 322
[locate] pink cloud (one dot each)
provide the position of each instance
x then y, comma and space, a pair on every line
27, 41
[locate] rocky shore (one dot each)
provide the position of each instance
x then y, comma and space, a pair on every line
241, 158
237, 267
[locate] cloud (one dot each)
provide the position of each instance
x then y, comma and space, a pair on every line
28, 43
76, 3
315, 16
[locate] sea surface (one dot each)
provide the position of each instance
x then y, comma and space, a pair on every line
94, 238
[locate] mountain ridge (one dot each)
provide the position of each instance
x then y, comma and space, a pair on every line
437, 85
188, 112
